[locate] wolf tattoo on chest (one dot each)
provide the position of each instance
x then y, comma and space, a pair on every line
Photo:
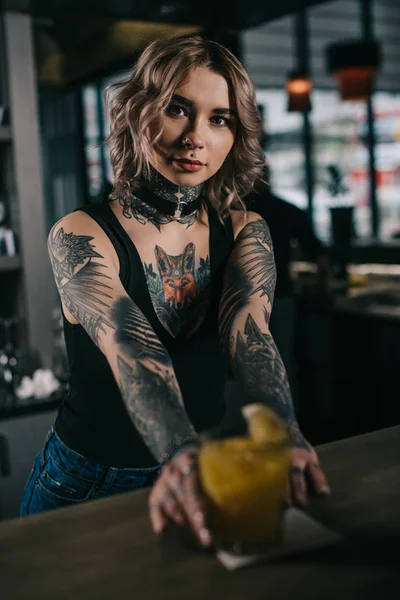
177, 276
179, 289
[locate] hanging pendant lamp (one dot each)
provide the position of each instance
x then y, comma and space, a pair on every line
354, 64
298, 87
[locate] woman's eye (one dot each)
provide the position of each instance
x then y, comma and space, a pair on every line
176, 111
220, 121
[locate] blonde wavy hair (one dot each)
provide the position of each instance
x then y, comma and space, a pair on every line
140, 102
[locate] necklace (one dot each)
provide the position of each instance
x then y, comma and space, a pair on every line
176, 200
159, 201
178, 209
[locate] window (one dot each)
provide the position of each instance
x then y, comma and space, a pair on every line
387, 161
268, 54
96, 129
92, 141
340, 128
339, 144
284, 154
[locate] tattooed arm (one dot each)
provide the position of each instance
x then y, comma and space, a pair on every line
245, 310
86, 274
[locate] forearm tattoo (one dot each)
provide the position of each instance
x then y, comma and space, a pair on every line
148, 384
153, 403
259, 367
256, 362
83, 289
146, 377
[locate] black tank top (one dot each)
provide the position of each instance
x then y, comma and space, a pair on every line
93, 419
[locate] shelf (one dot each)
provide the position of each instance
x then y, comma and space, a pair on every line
11, 412
5, 133
9, 263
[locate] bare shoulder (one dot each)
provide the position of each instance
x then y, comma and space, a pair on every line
78, 222
241, 218
252, 217
78, 230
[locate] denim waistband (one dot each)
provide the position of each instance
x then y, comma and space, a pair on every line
76, 464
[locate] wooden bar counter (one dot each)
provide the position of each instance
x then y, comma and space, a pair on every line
105, 549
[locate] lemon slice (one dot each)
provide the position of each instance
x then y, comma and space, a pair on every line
264, 425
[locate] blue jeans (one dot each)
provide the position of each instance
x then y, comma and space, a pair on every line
60, 477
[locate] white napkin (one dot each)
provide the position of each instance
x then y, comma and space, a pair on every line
300, 532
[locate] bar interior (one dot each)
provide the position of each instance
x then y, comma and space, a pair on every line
327, 81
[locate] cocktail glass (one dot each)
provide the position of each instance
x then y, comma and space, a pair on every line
246, 485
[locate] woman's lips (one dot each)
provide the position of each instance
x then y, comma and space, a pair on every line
188, 165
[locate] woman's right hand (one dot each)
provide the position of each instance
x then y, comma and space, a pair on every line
177, 497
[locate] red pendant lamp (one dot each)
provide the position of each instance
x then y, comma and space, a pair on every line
354, 65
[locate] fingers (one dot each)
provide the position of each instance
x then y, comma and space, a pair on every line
164, 506
177, 497
158, 519
301, 479
184, 480
298, 485
318, 480
171, 507
306, 474
195, 508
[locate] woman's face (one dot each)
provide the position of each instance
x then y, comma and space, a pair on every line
201, 114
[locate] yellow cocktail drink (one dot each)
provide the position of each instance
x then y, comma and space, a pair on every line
245, 481
246, 486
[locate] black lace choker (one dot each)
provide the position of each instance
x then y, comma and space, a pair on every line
169, 198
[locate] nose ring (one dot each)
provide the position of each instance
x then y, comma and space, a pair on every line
186, 142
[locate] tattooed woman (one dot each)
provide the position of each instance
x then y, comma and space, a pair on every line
162, 288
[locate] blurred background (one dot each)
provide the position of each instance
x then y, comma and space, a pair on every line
328, 88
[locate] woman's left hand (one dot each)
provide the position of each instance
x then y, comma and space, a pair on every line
305, 474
